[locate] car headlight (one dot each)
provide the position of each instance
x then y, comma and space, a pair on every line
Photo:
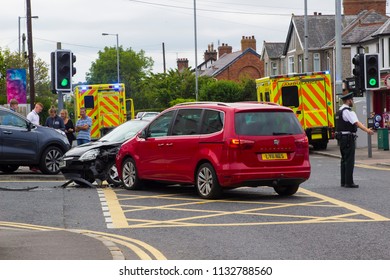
90, 155
60, 132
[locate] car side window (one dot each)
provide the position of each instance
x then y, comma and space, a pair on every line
10, 119
160, 126
186, 122
212, 121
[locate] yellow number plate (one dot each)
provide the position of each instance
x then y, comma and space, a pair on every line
274, 156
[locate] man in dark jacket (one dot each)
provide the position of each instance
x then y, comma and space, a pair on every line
54, 120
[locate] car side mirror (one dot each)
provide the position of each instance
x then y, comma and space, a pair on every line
30, 125
143, 134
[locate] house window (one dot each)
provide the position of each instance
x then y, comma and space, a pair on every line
291, 64
274, 68
300, 63
316, 62
389, 51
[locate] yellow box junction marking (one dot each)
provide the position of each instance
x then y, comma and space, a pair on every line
124, 215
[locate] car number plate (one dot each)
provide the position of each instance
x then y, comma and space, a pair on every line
273, 156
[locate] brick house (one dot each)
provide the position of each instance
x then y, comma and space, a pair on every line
235, 66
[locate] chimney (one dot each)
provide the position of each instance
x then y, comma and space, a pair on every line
248, 42
225, 48
182, 63
353, 7
210, 53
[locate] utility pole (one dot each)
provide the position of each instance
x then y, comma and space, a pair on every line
339, 62
306, 52
163, 50
196, 54
30, 54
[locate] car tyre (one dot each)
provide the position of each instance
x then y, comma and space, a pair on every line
207, 183
50, 160
8, 168
286, 190
112, 175
130, 175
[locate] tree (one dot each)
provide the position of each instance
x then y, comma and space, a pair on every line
134, 67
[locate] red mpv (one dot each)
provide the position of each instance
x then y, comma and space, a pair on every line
218, 146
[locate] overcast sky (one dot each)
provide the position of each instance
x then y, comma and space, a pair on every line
78, 25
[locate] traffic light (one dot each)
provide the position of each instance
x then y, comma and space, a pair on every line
63, 70
371, 71
358, 71
73, 61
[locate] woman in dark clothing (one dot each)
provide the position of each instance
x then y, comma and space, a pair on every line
69, 127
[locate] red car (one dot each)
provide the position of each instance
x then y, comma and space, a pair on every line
218, 146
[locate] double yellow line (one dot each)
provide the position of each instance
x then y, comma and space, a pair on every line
143, 250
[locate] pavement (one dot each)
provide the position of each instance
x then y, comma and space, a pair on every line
363, 155
62, 244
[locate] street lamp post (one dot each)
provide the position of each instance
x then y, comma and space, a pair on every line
117, 52
19, 29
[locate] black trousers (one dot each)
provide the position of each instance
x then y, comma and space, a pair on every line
347, 150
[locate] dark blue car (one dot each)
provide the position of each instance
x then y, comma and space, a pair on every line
25, 144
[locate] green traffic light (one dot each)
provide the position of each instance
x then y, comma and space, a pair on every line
372, 82
64, 82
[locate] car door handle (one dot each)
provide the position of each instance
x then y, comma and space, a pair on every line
160, 145
7, 132
169, 144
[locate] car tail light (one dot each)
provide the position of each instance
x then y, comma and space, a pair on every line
302, 143
241, 144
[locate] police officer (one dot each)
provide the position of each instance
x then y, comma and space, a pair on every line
346, 127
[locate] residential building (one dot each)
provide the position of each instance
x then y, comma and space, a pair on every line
234, 66
364, 26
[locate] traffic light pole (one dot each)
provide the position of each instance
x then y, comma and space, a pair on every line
368, 104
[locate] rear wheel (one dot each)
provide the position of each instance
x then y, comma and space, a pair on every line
130, 175
320, 146
286, 190
50, 160
8, 168
207, 183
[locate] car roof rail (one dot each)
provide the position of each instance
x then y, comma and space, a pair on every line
203, 102
260, 102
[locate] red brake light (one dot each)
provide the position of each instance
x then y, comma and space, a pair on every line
241, 144
302, 143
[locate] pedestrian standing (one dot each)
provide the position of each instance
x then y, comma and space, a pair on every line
347, 124
54, 121
83, 127
13, 105
69, 126
33, 116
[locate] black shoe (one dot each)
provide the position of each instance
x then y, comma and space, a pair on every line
342, 185
354, 186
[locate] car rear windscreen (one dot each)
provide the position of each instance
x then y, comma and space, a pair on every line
267, 123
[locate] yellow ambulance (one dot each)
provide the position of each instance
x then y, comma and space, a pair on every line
106, 105
310, 96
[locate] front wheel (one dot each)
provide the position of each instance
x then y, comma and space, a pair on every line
130, 175
207, 183
112, 175
286, 190
50, 160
